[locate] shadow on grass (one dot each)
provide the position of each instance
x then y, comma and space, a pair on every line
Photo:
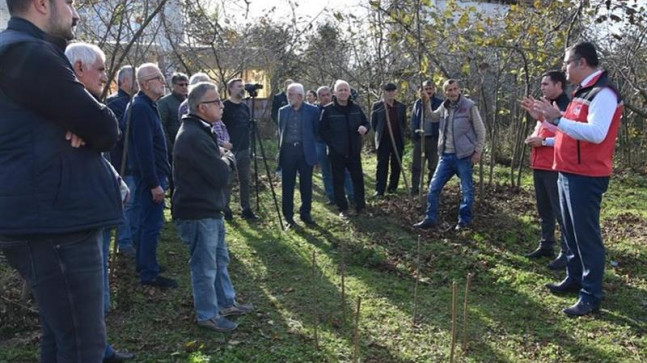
284, 300
489, 250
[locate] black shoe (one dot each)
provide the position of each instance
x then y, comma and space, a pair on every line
378, 194
564, 287
581, 308
118, 357
228, 215
162, 269
249, 215
161, 282
308, 221
559, 263
541, 252
425, 224
391, 190
344, 214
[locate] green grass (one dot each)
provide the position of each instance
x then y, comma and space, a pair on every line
511, 316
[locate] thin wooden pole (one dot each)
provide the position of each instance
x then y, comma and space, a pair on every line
454, 308
316, 300
467, 290
415, 286
356, 331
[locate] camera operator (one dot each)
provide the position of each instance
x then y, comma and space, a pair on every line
236, 117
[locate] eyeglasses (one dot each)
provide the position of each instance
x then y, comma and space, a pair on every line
566, 63
158, 77
217, 102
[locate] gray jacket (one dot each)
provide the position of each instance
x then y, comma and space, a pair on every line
467, 129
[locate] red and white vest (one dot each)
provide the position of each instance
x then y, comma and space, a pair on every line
582, 157
543, 157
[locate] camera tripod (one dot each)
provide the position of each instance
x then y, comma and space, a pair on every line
256, 136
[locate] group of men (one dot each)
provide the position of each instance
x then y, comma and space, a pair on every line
60, 194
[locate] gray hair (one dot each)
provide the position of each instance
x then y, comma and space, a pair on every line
85, 53
125, 72
197, 92
322, 89
298, 87
339, 82
199, 77
144, 71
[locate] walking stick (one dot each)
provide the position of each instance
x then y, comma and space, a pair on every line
393, 144
122, 170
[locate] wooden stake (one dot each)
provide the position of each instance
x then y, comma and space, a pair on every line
454, 308
343, 292
467, 290
314, 295
415, 286
356, 331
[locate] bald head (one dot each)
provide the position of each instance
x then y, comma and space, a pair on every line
151, 81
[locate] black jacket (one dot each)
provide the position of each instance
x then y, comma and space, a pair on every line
200, 172
46, 185
338, 128
237, 119
279, 100
378, 121
117, 103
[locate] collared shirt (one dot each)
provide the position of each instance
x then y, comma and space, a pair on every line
598, 120
293, 126
220, 130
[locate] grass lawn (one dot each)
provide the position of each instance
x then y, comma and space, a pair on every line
511, 316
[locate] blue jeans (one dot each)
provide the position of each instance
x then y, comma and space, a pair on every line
326, 174
150, 225
129, 228
212, 287
105, 254
133, 209
449, 166
65, 275
580, 198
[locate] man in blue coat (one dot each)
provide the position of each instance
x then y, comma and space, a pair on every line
150, 169
297, 152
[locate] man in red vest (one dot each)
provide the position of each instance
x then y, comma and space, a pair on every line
584, 146
542, 153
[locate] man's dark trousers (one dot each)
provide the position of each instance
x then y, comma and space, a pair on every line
580, 198
339, 164
387, 154
547, 195
68, 284
292, 161
431, 158
150, 224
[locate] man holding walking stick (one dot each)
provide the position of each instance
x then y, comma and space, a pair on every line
388, 118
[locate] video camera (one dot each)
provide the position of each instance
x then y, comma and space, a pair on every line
252, 88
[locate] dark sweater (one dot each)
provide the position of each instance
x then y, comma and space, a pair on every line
199, 172
149, 157
338, 128
117, 103
168, 108
46, 185
237, 119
